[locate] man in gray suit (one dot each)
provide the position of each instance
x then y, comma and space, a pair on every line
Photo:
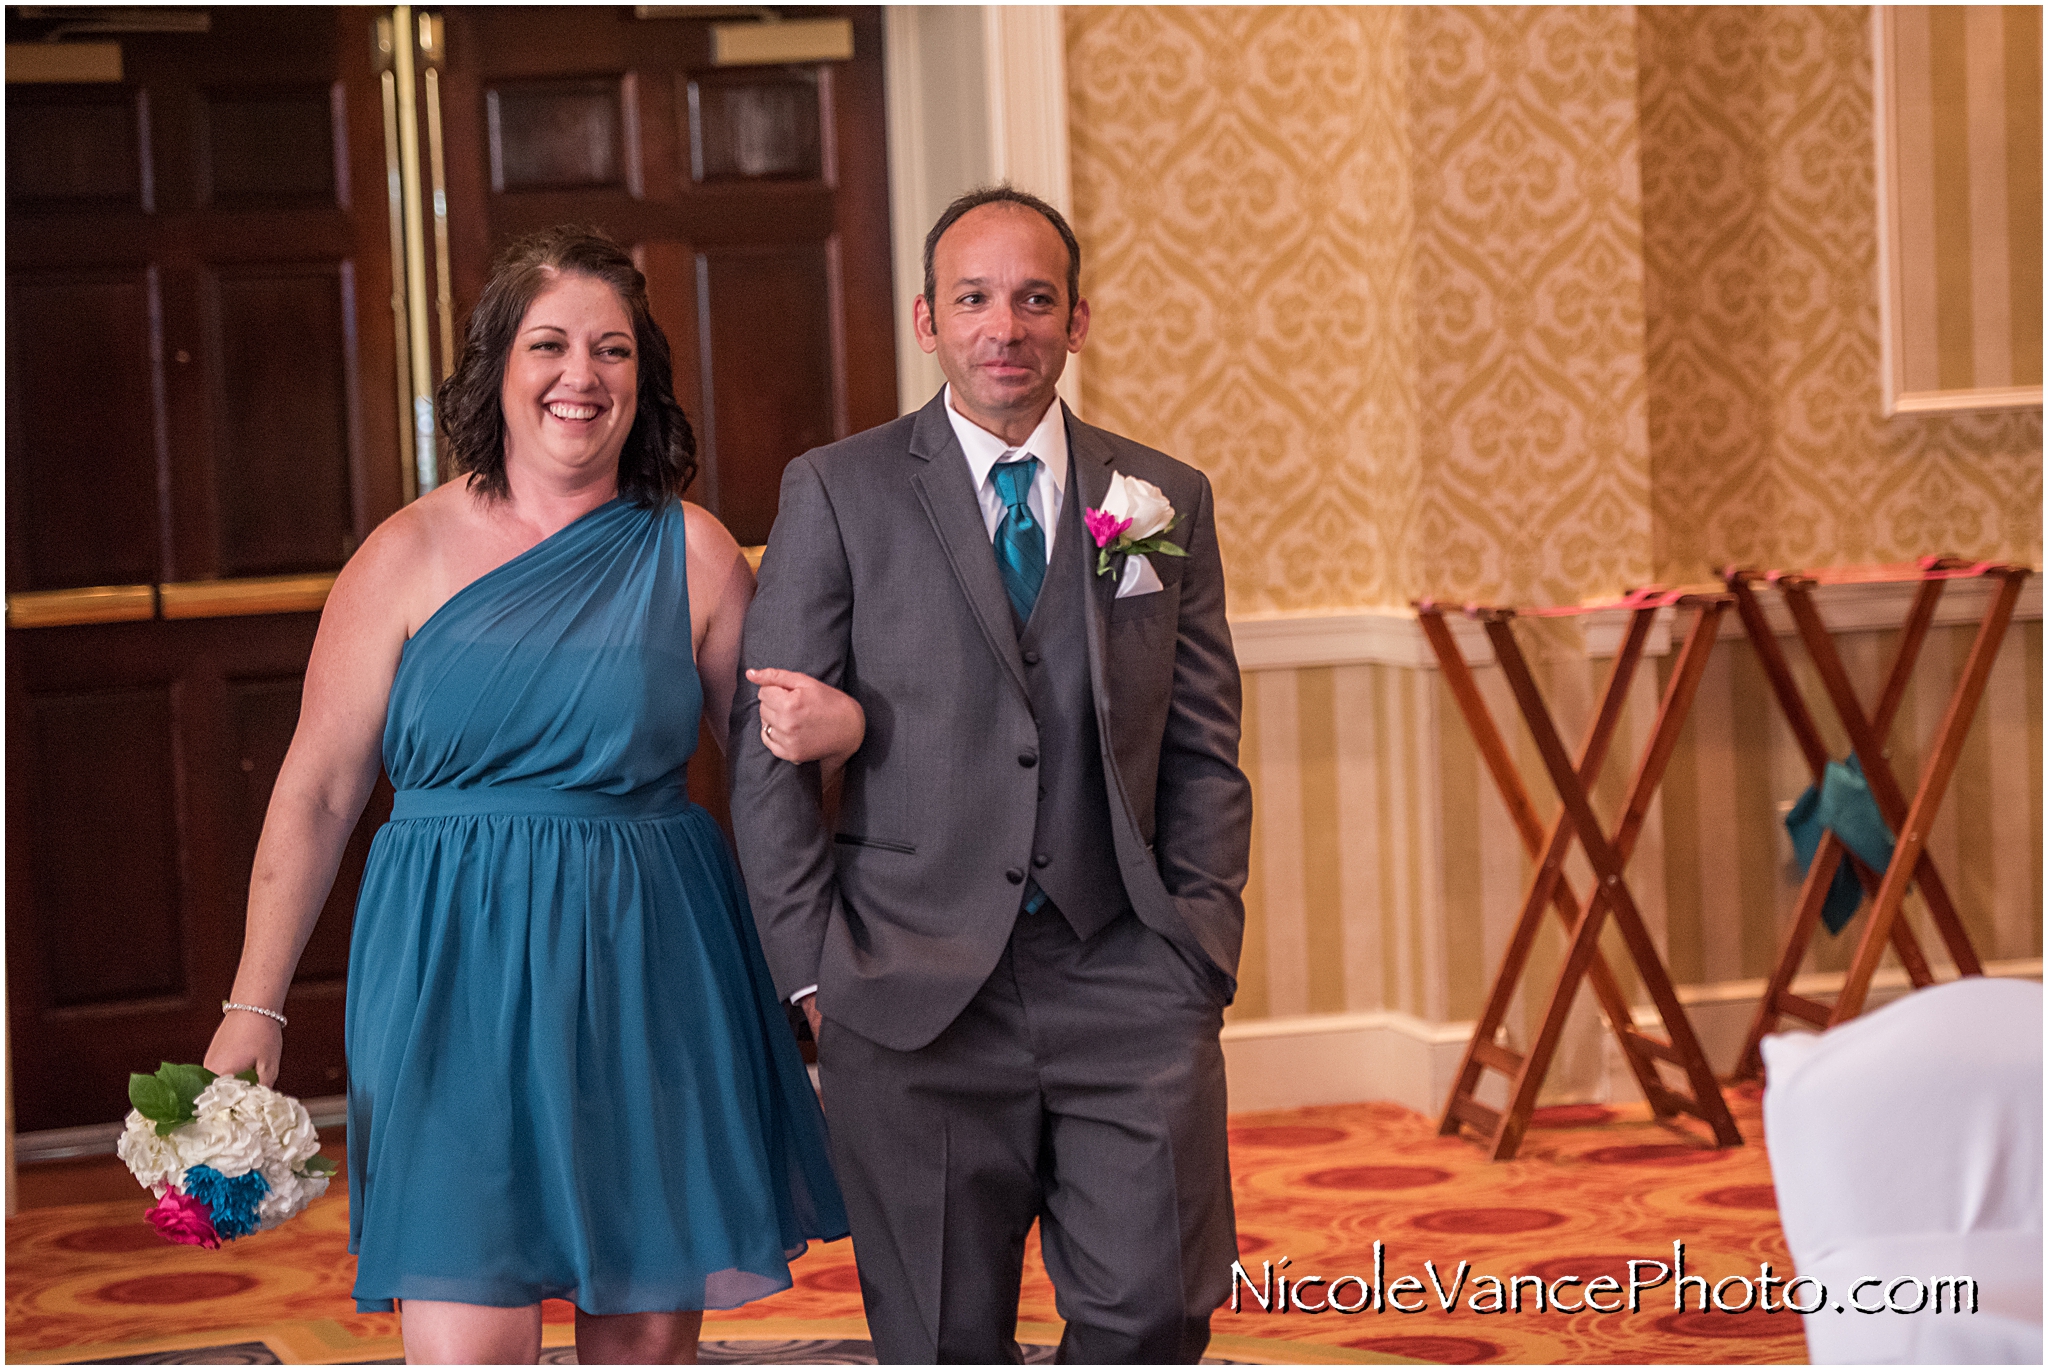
1016, 941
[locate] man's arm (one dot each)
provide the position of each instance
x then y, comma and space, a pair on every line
1202, 827
800, 621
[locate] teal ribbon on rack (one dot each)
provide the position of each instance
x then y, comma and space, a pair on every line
1840, 804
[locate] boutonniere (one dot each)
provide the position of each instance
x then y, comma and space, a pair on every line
1133, 521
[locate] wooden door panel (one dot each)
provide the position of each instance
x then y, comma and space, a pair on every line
107, 887
83, 431
266, 147
754, 124
765, 321
262, 713
282, 468
149, 751
76, 148
566, 134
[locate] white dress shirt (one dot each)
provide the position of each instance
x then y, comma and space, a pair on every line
1048, 442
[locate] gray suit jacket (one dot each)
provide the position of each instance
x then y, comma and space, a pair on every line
879, 578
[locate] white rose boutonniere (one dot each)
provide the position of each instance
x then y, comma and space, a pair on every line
1133, 521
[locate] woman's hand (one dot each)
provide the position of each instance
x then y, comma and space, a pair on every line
803, 719
244, 1040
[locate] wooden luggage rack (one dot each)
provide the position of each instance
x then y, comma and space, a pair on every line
1608, 855
1868, 734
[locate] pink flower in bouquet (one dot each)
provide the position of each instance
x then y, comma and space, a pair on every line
183, 1219
1104, 526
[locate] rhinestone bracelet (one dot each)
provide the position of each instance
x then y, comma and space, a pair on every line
251, 1008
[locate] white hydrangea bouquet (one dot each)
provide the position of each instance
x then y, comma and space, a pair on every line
224, 1155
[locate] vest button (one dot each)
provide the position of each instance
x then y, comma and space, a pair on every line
1027, 759
1030, 658
1014, 876
1041, 860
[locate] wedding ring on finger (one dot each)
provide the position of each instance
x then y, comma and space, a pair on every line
767, 732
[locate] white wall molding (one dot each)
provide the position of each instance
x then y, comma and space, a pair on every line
1389, 636
975, 94
1343, 1058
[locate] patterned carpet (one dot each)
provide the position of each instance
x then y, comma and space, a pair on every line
1594, 1188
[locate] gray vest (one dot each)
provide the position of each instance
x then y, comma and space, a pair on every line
1073, 854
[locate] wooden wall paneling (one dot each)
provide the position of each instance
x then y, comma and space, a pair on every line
82, 435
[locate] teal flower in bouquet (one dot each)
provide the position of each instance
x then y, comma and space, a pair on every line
231, 1202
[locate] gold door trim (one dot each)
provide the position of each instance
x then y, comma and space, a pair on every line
404, 46
233, 598
245, 595
87, 604
431, 39
394, 183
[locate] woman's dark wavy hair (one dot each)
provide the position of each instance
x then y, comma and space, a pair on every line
660, 456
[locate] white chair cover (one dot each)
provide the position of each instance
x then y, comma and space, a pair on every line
1908, 1142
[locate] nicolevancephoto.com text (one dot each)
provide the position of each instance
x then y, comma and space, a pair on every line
1275, 1291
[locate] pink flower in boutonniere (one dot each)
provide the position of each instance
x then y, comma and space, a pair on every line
1133, 521
1106, 528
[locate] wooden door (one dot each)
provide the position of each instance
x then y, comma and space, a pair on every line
198, 426
753, 196
205, 416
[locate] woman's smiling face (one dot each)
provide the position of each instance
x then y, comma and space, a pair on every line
572, 380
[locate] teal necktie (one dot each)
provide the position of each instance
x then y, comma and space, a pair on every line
1020, 541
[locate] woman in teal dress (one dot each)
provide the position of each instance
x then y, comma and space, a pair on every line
569, 1076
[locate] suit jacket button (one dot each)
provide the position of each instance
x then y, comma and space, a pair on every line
1030, 658
1027, 759
1041, 860
1014, 876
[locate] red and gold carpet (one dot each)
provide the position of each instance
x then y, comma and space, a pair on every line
1316, 1187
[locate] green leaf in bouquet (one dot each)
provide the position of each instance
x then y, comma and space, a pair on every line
154, 1100
165, 1098
319, 1165
247, 1077
189, 1082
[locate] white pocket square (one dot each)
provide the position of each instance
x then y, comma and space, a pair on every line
1139, 578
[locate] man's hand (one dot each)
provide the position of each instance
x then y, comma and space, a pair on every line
809, 1004
803, 719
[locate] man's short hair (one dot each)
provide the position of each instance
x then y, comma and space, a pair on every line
1003, 194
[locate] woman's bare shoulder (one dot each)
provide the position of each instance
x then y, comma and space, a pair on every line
706, 533
399, 568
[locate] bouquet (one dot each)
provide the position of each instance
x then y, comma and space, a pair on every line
224, 1155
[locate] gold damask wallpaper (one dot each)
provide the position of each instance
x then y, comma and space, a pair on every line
1528, 266
1241, 190
1523, 304
1760, 235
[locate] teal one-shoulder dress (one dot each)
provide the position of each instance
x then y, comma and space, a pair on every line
569, 1074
